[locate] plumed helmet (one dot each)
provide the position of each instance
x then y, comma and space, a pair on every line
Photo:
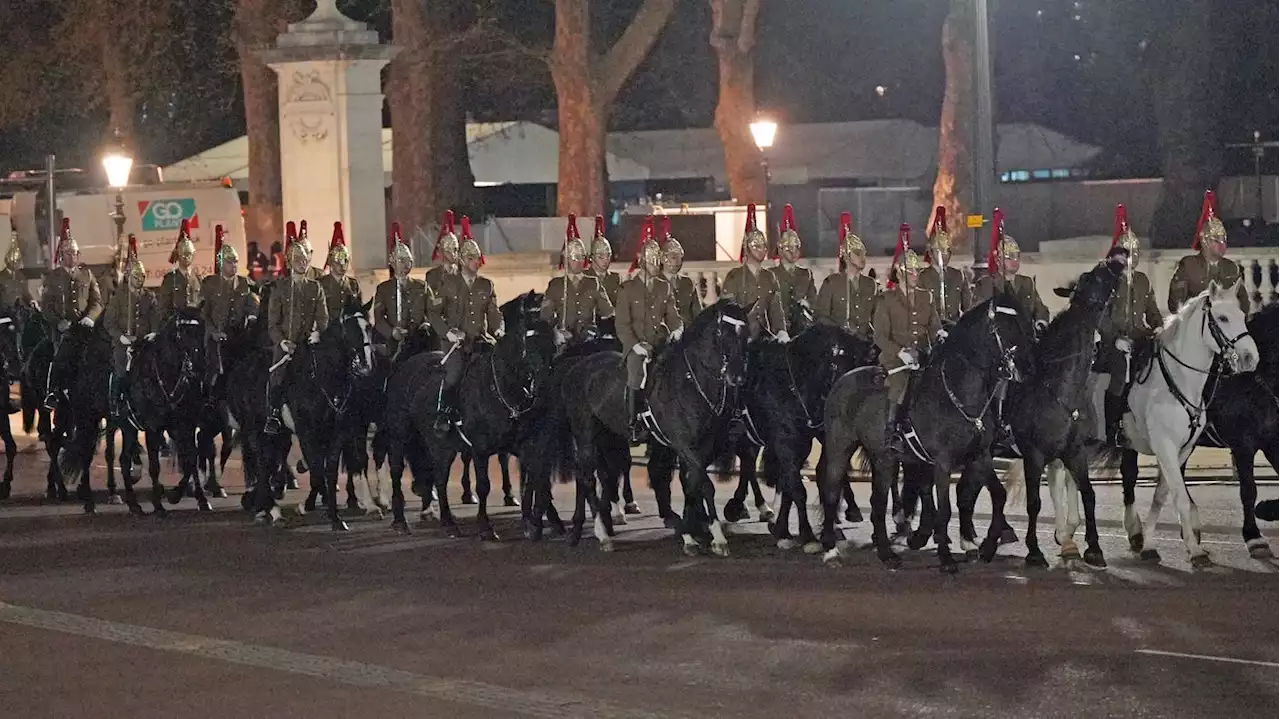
13, 255
649, 252
66, 243
469, 249
296, 246
223, 251
302, 233
599, 243
447, 241
183, 247
850, 244
1209, 228
133, 267
904, 258
939, 238
397, 250
671, 247
338, 252
1002, 245
752, 237
574, 251
788, 237
1122, 235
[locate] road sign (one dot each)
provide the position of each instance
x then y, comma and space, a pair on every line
973, 222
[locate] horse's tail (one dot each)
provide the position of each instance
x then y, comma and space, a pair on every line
723, 465
1014, 480
769, 471
28, 401
1107, 457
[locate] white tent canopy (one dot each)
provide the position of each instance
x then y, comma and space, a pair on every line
876, 151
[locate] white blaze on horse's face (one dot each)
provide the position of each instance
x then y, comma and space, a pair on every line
366, 339
1240, 351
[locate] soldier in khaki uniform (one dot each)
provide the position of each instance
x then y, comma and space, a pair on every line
1002, 267
574, 302
601, 259
1195, 272
848, 297
313, 272
1133, 316
296, 313
754, 286
906, 323
688, 303
646, 315
13, 286
401, 303
795, 283
224, 299
130, 317
958, 295
468, 311
339, 289
181, 285
445, 255
69, 294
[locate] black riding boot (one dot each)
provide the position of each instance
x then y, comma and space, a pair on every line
14, 406
1113, 410
446, 414
893, 430
275, 397
636, 405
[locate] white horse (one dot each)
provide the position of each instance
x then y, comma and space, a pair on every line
1167, 408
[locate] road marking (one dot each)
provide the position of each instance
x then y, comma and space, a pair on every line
461, 691
1206, 657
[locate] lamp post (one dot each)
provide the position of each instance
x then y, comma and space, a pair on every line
763, 131
117, 161
984, 159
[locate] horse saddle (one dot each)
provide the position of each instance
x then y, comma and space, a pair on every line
1141, 362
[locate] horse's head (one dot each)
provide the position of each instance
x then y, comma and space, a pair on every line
528, 340
823, 346
721, 329
184, 333
1228, 335
1000, 333
352, 334
1094, 288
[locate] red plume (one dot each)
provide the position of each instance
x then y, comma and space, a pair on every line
904, 243
1208, 209
939, 221
393, 237
338, 240
846, 229
646, 234
1122, 224
788, 223
217, 247
570, 233
133, 246
62, 237
599, 227
466, 233
751, 225
184, 232
664, 229
446, 226
302, 229
997, 234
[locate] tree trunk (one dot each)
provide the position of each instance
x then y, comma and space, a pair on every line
454, 180
1187, 97
257, 22
733, 37
953, 185
586, 85
411, 99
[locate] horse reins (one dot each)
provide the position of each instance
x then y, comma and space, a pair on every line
1225, 347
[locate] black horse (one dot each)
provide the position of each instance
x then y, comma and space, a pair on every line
38, 345
496, 393
1049, 418
11, 366
89, 406
952, 406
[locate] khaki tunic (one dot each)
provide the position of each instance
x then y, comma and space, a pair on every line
794, 285
223, 302
436, 277
688, 303
575, 306
338, 293
70, 296
1024, 288
903, 322
612, 282
472, 308
107, 283
129, 313
843, 304
13, 287
746, 288
1132, 316
646, 312
416, 302
297, 309
177, 289
1194, 274
959, 294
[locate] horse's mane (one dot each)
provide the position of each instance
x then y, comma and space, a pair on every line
1062, 331
1173, 323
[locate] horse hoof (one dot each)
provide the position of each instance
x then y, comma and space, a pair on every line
114, 499
853, 515
510, 502
260, 518
488, 535
136, 510
671, 522
1261, 551
5, 490
451, 531
1093, 557
339, 526
735, 511
899, 540
90, 509
987, 551
691, 548
205, 506
307, 506
216, 492
468, 498
787, 543
573, 538
1037, 561
631, 508
1008, 536
1149, 555
767, 515
619, 519
812, 547
832, 558
159, 512
1201, 561
401, 528
720, 549
1136, 542
918, 540
557, 530
606, 545
891, 560
174, 495
246, 501
948, 566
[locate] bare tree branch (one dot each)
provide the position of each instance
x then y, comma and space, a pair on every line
630, 50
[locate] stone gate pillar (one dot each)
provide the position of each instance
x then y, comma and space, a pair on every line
331, 130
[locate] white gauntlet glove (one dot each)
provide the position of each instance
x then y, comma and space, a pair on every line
424, 327
398, 333
313, 338
498, 333
150, 336
782, 336
86, 322
455, 335
941, 335
64, 325
1124, 344
1040, 325
126, 340
562, 336
678, 333
287, 346
908, 358
640, 349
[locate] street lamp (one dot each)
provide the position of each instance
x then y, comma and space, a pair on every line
118, 162
763, 130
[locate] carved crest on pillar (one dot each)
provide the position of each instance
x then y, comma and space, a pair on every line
310, 106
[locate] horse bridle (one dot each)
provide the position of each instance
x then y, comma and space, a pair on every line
529, 389
836, 351
339, 405
717, 408
1008, 371
184, 373
1226, 351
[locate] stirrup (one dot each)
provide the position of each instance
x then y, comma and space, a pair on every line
273, 424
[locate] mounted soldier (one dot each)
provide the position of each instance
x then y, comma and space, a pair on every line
180, 287
1133, 317
1195, 272
754, 286
69, 295
113, 276
401, 303
13, 286
131, 317
646, 317
1002, 268
223, 297
906, 323
339, 289
795, 283
848, 297
445, 254
468, 314
574, 302
601, 259
688, 303
296, 313
952, 295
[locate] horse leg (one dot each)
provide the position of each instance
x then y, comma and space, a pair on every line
1128, 482
504, 466
1169, 461
882, 474
629, 505
780, 527
838, 450
109, 454
1059, 495
918, 480
154, 441
940, 479
468, 459
128, 449
661, 467
395, 465
1253, 540
967, 491
443, 461
10, 452
213, 484
482, 495
330, 471
1078, 466
749, 456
